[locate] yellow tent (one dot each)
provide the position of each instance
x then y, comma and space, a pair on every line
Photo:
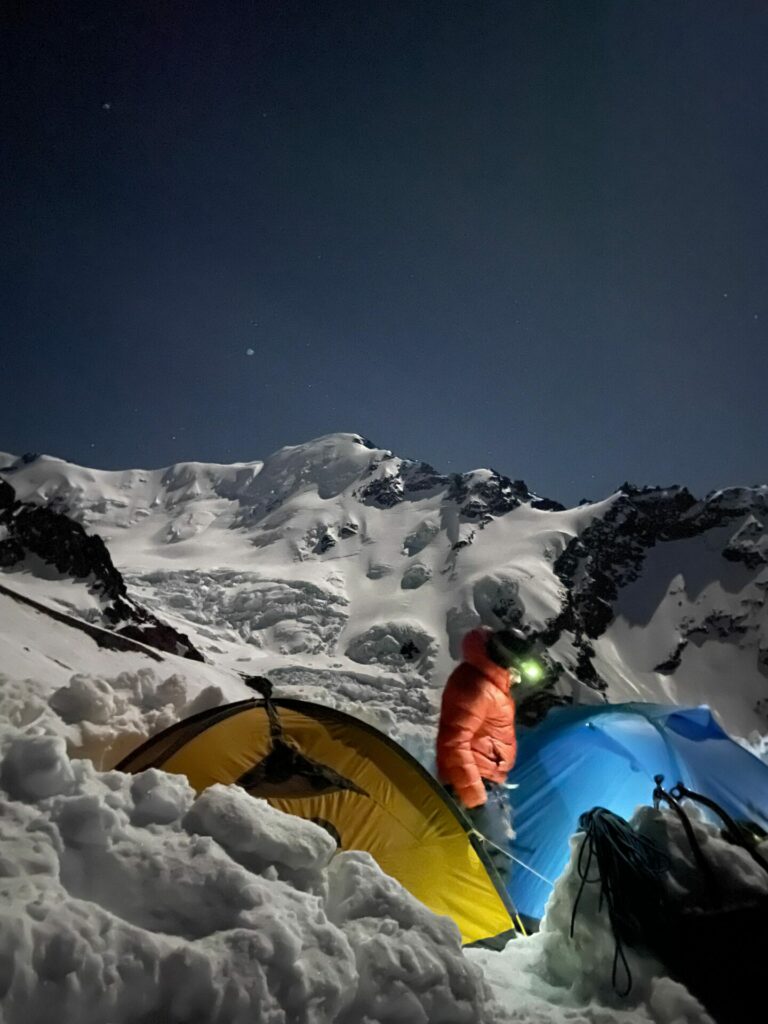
369, 793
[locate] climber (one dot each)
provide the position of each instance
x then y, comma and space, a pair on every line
476, 744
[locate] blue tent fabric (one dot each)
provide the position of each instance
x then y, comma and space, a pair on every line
607, 755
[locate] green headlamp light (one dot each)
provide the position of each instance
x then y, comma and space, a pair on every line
532, 671
512, 649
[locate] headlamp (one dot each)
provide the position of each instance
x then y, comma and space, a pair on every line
512, 649
532, 671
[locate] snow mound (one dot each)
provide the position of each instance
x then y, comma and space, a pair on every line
125, 898
103, 717
419, 538
378, 570
553, 977
415, 576
395, 645
256, 835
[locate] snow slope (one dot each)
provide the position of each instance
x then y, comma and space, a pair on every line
47, 659
335, 564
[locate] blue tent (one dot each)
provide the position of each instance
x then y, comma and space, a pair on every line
586, 756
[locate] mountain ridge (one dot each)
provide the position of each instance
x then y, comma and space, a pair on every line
338, 556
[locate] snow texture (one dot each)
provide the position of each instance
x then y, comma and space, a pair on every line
104, 718
127, 899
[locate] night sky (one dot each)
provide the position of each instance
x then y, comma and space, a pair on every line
528, 235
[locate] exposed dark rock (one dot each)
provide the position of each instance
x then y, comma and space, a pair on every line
494, 497
746, 545
464, 542
325, 543
384, 492
419, 477
610, 553
162, 637
7, 495
475, 509
752, 559
365, 443
103, 637
718, 626
547, 505
11, 553
672, 664
409, 650
62, 543
534, 707
507, 609
479, 498
349, 530
415, 576
585, 670
23, 460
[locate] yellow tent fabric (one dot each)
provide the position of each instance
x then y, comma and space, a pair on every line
322, 764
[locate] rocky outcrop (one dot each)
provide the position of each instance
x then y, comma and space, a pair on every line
610, 552
749, 545
58, 542
476, 498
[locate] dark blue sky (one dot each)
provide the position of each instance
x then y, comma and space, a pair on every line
532, 235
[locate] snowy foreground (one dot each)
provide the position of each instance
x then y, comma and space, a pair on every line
129, 899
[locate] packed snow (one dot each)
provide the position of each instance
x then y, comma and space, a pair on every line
128, 898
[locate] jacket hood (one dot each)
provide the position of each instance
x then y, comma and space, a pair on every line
473, 651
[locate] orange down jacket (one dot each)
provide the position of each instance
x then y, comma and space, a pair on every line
476, 735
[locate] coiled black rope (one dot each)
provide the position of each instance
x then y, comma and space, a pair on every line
629, 867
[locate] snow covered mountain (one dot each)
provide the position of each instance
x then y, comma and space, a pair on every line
129, 600
349, 575
51, 545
